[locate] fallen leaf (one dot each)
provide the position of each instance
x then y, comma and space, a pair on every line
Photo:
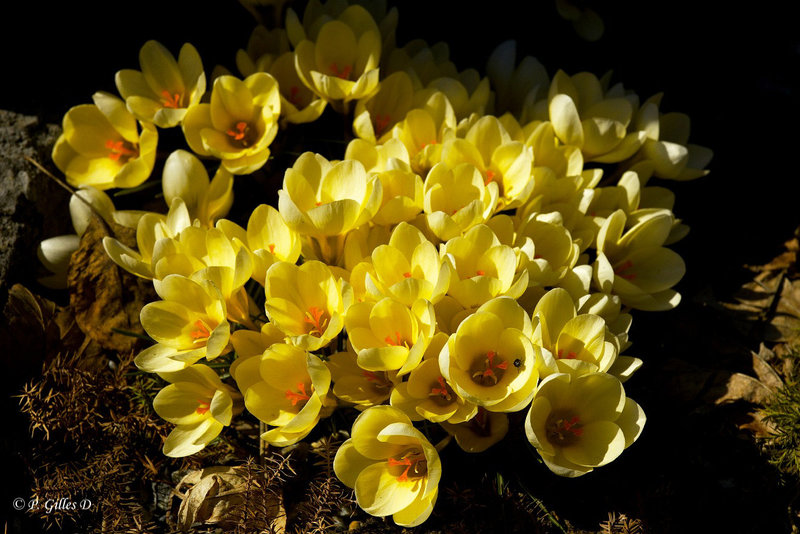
214, 495
740, 386
764, 371
102, 296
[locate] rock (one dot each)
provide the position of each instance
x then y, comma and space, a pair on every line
32, 206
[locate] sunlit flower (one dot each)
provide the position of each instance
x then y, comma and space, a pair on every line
307, 302
340, 63
579, 423
375, 116
409, 268
389, 336
102, 146
353, 384
199, 404
185, 177
391, 465
270, 239
290, 394
239, 124
188, 324
489, 362
164, 89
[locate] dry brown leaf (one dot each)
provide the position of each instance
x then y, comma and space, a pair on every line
102, 296
740, 386
764, 371
214, 494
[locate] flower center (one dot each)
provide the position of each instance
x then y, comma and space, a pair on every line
121, 151
570, 355
489, 177
489, 372
398, 340
410, 464
441, 393
381, 122
200, 333
203, 407
299, 396
378, 381
317, 319
621, 270
171, 100
344, 73
562, 429
294, 95
242, 133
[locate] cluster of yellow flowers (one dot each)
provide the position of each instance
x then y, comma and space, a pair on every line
475, 252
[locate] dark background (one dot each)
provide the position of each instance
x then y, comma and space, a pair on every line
732, 70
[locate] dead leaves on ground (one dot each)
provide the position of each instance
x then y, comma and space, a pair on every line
102, 297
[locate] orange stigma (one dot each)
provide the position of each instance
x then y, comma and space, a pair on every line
381, 122
316, 318
271, 248
570, 355
299, 396
442, 389
294, 95
344, 73
489, 177
200, 332
621, 271
203, 407
397, 341
240, 131
121, 151
413, 461
488, 375
406, 274
480, 272
171, 100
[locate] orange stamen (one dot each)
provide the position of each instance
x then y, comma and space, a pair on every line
381, 122
344, 73
404, 461
119, 150
294, 94
396, 342
301, 395
620, 271
200, 332
241, 131
313, 316
171, 100
203, 408
432, 142
442, 389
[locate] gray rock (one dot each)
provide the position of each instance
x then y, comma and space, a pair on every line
32, 206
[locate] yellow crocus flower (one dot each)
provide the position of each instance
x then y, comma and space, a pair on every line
239, 124
102, 146
188, 324
376, 115
408, 268
483, 268
578, 423
290, 393
164, 89
307, 302
199, 403
270, 239
391, 465
388, 336
340, 64
490, 361
185, 177
353, 384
